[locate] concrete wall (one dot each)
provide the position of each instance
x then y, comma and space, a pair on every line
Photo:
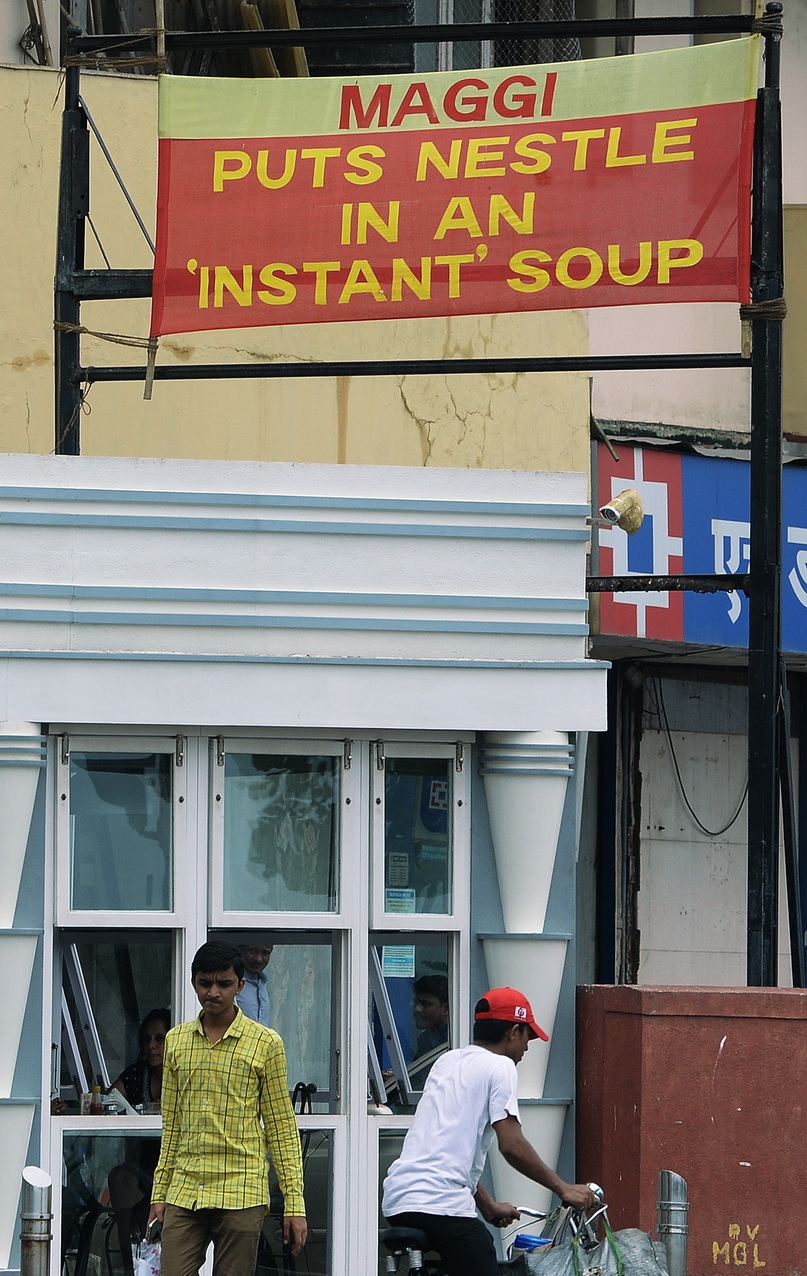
339, 596
715, 399
795, 326
692, 885
14, 21
497, 422
708, 1083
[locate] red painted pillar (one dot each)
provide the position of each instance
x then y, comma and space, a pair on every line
710, 1083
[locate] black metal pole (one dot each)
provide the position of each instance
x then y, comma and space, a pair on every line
74, 204
764, 645
422, 33
790, 837
411, 367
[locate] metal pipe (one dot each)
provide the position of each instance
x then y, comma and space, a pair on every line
426, 33
74, 205
414, 367
764, 619
697, 584
790, 839
673, 1229
35, 1220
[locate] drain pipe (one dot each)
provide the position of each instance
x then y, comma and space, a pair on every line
673, 1229
35, 1217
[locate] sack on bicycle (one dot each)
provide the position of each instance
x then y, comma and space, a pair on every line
577, 1249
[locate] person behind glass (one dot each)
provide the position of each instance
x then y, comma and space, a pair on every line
431, 1013
226, 1107
253, 998
141, 1082
130, 1182
468, 1101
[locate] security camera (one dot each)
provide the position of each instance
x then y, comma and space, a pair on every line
625, 511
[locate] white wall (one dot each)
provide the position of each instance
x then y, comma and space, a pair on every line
14, 20
343, 596
698, 399
692, 900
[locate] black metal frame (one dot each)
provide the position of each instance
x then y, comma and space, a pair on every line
767, 693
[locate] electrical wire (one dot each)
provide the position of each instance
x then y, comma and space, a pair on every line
662, 712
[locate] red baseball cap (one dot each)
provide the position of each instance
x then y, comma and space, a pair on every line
511, 1006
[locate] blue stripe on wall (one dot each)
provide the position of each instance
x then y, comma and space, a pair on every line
170, 523
275, 501
213, 621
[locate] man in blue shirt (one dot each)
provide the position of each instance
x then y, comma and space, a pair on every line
253, 998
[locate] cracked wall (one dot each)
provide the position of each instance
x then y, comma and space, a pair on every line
509, 421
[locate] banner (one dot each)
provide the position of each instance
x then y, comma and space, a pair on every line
609, 182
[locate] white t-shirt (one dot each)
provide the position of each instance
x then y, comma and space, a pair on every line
444, 1151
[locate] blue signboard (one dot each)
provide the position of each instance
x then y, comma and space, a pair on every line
700, 512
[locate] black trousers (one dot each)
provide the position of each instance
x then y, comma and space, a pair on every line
464, 1244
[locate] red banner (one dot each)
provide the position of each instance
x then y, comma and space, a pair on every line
456, 194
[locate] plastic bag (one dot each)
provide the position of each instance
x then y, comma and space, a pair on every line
628, 1252
146, 1258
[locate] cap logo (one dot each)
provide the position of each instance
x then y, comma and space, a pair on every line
520, 1012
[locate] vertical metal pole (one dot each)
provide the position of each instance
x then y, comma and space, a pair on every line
790, 838
673, 1229
74, 205
35, 1219
766, 533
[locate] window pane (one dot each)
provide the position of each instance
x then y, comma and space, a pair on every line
112, 984
121, 831
105, 1200
410, 1013
315, 1260
390, 1143
290, 987
281, 832
417, 835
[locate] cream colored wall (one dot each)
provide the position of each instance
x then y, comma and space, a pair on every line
501, 421
794, 407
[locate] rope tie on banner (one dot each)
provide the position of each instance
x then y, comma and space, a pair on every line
120, 339
107, 61
768, 24
773, 308
100, 61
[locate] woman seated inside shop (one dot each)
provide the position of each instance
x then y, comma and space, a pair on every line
130, 1182
141, 1082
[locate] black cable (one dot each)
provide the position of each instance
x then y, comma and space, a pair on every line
666, 726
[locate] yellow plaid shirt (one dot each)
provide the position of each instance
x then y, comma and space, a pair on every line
225, 1105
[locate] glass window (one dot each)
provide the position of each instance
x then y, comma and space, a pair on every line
317, 1150
290, 979
105, 1200
417, 835
121, 831
410, 1014
112, 985
281, 832
390, 1143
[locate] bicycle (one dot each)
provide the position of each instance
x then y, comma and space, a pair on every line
411, 1243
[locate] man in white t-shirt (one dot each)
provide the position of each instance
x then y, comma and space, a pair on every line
470, 1098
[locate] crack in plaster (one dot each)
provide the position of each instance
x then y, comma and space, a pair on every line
421, 424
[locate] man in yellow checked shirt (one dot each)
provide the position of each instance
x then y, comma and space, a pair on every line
225, 1105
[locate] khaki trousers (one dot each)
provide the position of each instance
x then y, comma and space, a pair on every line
187, 1234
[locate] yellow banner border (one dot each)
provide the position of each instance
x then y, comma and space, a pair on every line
672, 79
